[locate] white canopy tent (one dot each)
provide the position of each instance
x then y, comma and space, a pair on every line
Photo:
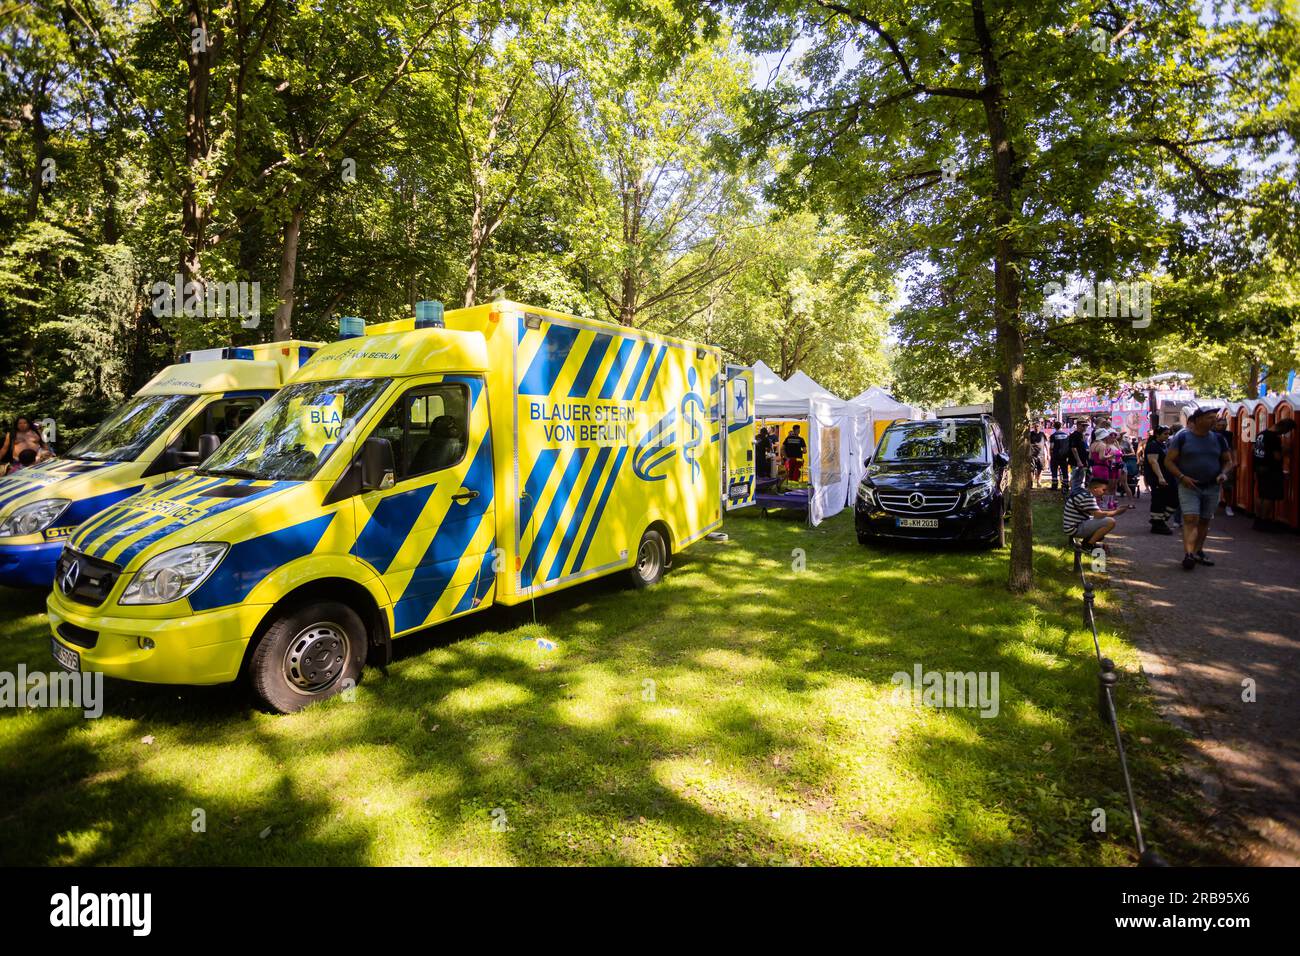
884, 407
774, 398
837, 434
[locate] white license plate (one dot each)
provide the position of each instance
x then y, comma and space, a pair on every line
918, 522
65, 657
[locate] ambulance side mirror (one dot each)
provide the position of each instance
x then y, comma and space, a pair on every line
377, 469
207, 445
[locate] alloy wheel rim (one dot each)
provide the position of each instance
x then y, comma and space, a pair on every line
316, 658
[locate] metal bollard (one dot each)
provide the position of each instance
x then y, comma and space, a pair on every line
1107, 680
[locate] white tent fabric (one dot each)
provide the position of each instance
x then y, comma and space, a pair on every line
773, 398
808, 386
837, 434
883, 405
831, 437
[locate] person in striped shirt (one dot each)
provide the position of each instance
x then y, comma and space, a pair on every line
1084, 517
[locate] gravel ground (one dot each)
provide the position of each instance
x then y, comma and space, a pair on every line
1203, 634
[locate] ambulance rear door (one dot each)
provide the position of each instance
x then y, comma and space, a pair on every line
738, 450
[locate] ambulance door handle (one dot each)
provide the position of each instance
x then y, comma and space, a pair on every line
465, 496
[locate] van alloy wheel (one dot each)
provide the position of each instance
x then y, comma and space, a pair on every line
651, 559
316, 658
308, 651
648, 560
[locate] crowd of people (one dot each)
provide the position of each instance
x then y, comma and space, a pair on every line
783, 460
23, 446
1189, 473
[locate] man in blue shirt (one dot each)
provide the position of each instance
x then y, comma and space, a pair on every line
1200, 464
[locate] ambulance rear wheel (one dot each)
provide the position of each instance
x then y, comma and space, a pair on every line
309, 653
651, 558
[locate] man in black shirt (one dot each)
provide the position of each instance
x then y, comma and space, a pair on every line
1077, 453
1163, 493
763, 454
1059, 445
793, 449
1270, 475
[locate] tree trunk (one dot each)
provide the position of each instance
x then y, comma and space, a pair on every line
288, 270
477, 240
1009, 330
627, 298
33, 115
194, 215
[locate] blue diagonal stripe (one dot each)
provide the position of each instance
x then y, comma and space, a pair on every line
476, 592
600, 510
616, 368
571, 533
27, 488
550, 358
654, 372
171, 525
535, 484
389, 526
635, 378
108, 539
547, 528
441, 559
248, 562
590, 365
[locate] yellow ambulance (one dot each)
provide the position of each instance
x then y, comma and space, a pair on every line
410, 473
172, 423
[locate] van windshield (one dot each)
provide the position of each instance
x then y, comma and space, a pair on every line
292, 435
948, 440
131, 429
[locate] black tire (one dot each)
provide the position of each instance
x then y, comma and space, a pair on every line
309, 653
864, 538
651, 559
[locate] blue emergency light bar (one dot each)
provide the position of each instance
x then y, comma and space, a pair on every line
216, 355
351, 327
428, 315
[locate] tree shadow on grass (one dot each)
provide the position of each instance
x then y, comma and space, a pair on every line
766, 708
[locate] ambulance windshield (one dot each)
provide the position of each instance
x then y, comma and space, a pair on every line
293, 434
131, 429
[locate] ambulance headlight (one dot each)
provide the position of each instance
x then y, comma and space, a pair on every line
33, 518
174, 574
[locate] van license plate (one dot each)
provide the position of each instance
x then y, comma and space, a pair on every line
918, 522
65, 657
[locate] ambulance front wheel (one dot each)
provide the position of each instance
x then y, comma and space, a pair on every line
651, 558
309, 653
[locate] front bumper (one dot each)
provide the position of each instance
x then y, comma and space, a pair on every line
977, 523
29, 565
205, 648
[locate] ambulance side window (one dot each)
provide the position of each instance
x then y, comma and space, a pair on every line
427, 428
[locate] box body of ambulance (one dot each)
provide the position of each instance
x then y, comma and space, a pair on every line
404, 478
147, 440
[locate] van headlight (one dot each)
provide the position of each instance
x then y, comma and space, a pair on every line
982, 490
33, 518
173, 574
867, 495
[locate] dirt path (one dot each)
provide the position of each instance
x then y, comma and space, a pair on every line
1202, 633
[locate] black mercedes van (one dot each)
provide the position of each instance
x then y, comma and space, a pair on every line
938, 480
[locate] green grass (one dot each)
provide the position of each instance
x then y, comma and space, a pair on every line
772, 736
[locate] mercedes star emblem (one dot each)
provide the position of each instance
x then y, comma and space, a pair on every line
70, 576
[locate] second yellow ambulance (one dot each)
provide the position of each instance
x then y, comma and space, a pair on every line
172, 423
409, 474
